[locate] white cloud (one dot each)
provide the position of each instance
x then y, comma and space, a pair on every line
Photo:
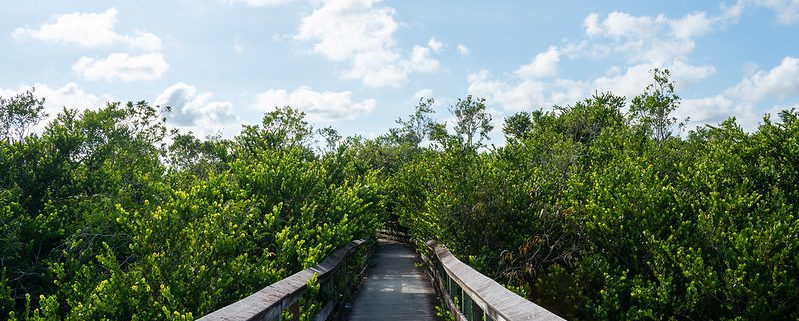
513, 97
357, 32
620, 24
434, 44
732, 12
741, 100
524, 93
123, 67
195, 111
259, 3
642, 39
642, 43
423, 93
346, 28
780, 82
91, 30
713, 110
629, 84
567, 92
635, 78
544, 64
71, 95
636, 45
787, 10
319, 106
420, 60
463, 50
591, 24
691, 26
143, 40
686, 74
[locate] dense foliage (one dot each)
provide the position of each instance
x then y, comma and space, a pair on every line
598, 211
102, 220
604, 209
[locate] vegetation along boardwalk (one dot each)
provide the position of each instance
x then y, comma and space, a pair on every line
394, 288
595, 211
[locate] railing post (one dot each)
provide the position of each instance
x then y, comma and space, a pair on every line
477, 312
294, 309
467, 306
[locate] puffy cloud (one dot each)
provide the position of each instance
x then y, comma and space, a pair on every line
742, 99
420, 60
319, 106
195, 111
642, 42
691, 26
358, 32
524, 95
260, 3
714, 110
642, 39
544, 64
630, 83
567, 91
787, 10
687, 74
635, 78
524, 90
434, 44
621, 25
780, 82
88, 30
463, 50
123, 67
518, 93
344, 29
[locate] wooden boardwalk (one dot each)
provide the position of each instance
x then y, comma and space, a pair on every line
394, 289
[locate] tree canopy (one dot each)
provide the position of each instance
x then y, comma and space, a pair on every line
594, 210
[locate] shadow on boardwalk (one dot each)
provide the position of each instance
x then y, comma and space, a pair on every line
394, 289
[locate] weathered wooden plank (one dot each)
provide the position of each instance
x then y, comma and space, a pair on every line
269, 302
394, 289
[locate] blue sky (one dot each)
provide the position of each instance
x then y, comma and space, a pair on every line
357, 65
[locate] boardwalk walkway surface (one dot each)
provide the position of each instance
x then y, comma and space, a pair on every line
394, 288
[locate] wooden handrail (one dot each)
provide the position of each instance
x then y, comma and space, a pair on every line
492, 299
271, 301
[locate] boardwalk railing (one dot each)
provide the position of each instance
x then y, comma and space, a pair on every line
393, 231
471, 296
336, 275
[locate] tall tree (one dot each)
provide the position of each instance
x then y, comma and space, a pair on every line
473, 120
652, 109
517, 125
283, 127
419, 125
331, 136
19, 114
